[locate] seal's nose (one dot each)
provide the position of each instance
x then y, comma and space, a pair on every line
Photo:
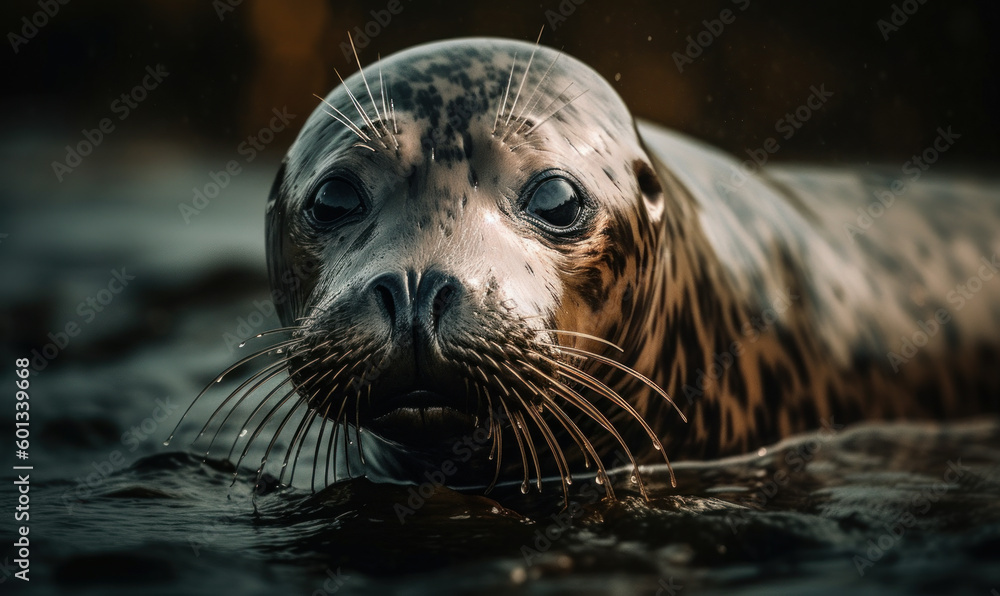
416, 301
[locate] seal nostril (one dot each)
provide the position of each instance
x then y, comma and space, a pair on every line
388, 303
442, 300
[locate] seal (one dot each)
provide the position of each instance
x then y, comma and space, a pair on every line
484, 263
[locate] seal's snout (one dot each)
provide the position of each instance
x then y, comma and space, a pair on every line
422, 395
414, 304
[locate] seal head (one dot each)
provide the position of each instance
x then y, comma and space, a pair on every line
458, 253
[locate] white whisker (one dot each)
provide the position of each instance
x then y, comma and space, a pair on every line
524, 77
503, 106
344, 120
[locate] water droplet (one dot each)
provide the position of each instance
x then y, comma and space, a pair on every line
634, 479
280, 350
524, 487
491, 457
657, 445
260, 335
242, 343
519, 424
599, 479
569, 480
762, 452
243, 433
167, 442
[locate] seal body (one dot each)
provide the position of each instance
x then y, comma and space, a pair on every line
485, 261
805, 313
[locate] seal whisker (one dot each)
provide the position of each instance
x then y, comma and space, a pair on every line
381, 85
529, 105
557, 453
530, 444
278, 368
548, 401
300, 437
503, 106
321, 345
385, 110
498, 446
594, 414
496, 449
587, 448
574, 431
360, 108
343, 119
588, 409
319, 439
302, 400
357, 423
347, 446
524, 77
267, 418
578, 400
545, 109
645, 380
257, 409
277, 364
489, 408
245, 340
331, 445
580, 334
595, 384
299, 433
554, 449
559, 109
361, 69
520, 444
316, 309
340, 423
218, 379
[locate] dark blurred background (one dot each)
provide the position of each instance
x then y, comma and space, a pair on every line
232, 61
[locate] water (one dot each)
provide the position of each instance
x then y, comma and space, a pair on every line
881, 508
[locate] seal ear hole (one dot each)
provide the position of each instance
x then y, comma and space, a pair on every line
649, 183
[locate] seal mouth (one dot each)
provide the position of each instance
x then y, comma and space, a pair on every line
422, 418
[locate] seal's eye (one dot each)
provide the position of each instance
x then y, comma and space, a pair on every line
555, 202
334, 200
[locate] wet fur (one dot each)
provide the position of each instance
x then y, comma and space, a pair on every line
673, 268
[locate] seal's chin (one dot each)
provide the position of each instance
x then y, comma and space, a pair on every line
422, 419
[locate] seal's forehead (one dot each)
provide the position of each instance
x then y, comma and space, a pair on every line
446, 82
